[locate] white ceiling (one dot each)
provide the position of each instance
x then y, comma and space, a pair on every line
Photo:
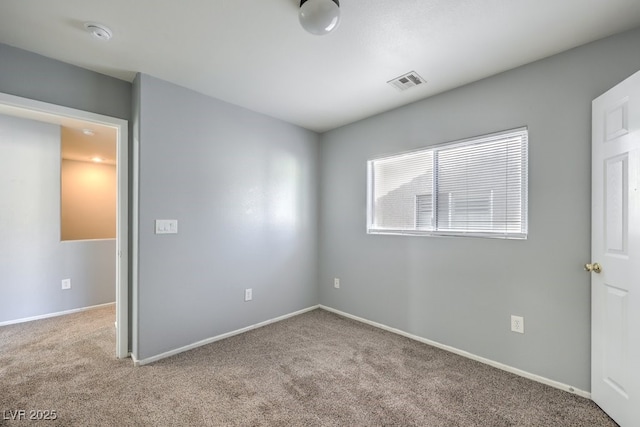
75, 145
254, 53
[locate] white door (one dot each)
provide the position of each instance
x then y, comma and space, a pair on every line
615, 247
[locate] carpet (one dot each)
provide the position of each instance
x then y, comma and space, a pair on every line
315, 369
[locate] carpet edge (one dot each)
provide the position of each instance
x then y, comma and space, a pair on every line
55, 314
164, 355
534, 377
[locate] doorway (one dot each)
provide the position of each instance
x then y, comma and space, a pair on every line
11, 105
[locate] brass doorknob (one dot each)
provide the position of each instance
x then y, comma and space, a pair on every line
595, 267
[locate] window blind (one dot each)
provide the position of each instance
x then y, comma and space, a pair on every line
398, 181
474, 187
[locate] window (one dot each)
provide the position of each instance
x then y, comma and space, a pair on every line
475, 187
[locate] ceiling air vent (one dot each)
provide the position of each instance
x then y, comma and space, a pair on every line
407, 81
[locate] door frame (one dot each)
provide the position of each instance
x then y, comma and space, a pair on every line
46, 112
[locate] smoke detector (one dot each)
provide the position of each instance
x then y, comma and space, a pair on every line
406, 81
98, 31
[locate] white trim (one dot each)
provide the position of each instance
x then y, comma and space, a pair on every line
59, 313
135, 219
122, 242
52, 113
507, 368
218, 337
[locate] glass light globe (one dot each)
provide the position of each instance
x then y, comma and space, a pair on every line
319, 17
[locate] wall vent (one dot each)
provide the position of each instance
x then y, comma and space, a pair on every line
407, 81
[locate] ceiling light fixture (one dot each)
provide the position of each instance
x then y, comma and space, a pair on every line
88, 132
97, 159
98, 31
319, 17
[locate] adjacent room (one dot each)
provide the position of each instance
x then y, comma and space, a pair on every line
320, 212
59, 217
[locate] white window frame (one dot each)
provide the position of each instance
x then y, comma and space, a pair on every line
521, 133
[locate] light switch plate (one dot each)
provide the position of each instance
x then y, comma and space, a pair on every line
166, 226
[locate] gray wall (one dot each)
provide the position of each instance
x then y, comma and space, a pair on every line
462, 291
243, 187
33, 260
33, 76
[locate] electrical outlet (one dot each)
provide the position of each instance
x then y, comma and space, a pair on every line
66, 283
336, 283
248, 294
517, 324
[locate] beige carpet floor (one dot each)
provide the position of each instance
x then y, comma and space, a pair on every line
316, 369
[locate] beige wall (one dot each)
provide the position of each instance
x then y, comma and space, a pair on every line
88, 200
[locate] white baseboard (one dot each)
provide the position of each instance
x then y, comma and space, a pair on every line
466, 354
59, 313
170, 353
